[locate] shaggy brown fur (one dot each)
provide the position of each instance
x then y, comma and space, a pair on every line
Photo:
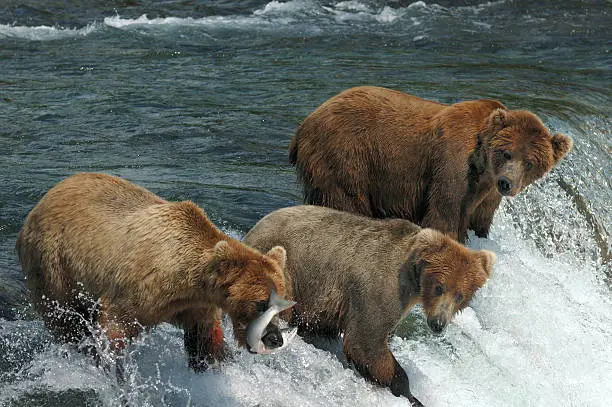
361, 276
95, 236
383, 153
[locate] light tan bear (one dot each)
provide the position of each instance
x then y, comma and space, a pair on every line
96, 236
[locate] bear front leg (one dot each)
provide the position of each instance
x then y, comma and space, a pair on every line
445, 218
482, 217
447, 202
378, 365
117, 334
203, 338
115, 331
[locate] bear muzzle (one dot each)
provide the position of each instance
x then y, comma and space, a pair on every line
272, 338
509, 178
437, 325
504, 186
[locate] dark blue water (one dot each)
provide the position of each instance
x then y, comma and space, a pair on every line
199, 99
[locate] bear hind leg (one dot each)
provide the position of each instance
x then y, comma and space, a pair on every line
63, 310
69, 321
337, 197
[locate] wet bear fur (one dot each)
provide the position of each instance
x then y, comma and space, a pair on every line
99, 249
383, 153
360, 276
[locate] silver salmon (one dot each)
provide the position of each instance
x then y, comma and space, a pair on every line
256, 328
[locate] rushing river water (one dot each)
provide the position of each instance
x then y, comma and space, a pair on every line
198, 100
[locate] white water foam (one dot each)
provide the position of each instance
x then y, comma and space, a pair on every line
119, 22
287, 7
275, 14
357, 11
44, 33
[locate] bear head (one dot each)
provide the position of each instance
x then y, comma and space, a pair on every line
448, 275
521, 149
246, 279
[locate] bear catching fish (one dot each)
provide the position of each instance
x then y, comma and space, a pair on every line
147, 260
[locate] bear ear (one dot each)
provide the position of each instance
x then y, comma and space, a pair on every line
279, 255
222, 249
499, 119
427, 239
428, 236
561, 146
488, 259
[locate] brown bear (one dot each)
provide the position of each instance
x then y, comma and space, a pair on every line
361, 276
96, 236
384, 153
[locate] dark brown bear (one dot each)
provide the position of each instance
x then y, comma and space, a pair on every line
384, 153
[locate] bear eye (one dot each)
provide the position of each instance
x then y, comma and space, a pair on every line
459, 299
508, 155
528, 165
261, 306
439, 290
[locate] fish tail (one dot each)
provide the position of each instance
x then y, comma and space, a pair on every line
280, 303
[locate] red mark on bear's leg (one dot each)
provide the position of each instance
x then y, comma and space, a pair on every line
117, 337
116, 333
216, 338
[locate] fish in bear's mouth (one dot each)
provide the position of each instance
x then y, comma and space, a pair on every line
263, 337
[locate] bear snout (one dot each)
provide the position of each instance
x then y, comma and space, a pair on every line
504, 186
272, 338
437, 325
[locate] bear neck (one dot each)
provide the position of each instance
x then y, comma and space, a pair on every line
289, 290
410, 280
195, 287
207, 281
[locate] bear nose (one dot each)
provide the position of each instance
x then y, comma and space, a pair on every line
273, 338
436, 325
504, 185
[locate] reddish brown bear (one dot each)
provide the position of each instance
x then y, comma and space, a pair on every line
384, 153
